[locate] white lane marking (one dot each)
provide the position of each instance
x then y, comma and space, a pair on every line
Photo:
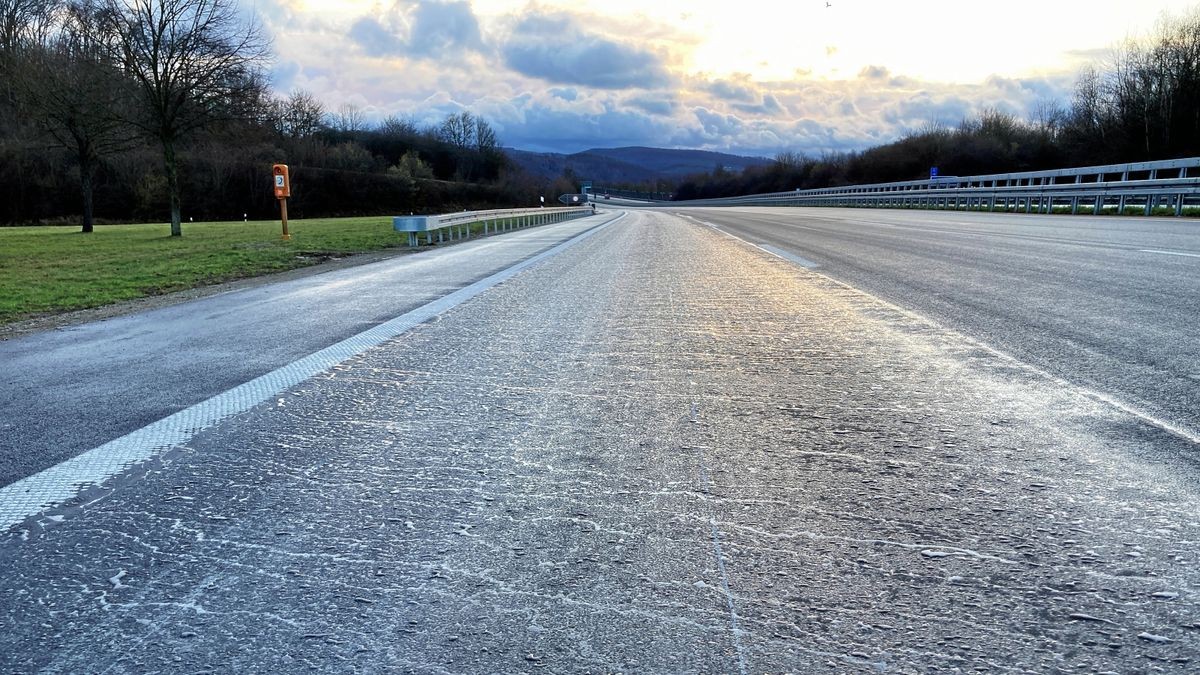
1151, 250
791, 257
1170, 427
777, 252
57, 484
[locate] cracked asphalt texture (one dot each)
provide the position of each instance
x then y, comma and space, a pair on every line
662, 450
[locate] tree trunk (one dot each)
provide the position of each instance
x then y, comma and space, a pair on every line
87, 172
172, 170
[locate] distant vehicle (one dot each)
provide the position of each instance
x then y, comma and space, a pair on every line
607, 197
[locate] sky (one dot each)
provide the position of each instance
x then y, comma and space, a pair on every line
750, 77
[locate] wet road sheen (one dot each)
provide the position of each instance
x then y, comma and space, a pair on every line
662, 450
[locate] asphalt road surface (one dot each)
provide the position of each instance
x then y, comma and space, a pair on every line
63, 392
660, 449
1111, 304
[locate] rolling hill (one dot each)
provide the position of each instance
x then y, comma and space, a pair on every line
629, 165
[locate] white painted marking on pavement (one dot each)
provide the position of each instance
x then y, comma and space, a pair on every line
777, 252
57, 484
1151, 250
791, 257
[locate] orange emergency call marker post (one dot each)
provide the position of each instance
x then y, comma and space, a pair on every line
283, 190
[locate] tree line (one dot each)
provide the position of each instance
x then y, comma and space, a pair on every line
1143, 104
140, 110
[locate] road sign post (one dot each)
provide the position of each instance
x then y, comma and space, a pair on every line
283, 190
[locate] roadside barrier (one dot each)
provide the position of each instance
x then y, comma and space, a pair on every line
455, 226
1144, 188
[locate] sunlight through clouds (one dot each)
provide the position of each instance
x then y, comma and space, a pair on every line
753, 76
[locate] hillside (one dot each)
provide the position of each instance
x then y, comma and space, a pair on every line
629, 165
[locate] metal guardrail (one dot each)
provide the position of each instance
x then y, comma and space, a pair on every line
1149, 185
455, 226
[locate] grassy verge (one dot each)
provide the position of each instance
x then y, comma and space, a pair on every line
54, 269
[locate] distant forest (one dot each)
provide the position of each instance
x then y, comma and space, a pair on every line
140, 110
147, 110
1143, 104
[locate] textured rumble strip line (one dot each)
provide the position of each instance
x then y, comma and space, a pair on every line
57, 484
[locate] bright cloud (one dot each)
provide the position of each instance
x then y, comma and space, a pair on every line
753, 76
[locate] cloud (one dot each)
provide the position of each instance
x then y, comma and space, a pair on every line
874, 73
769, 105
717, 125
534, 125
440, 28
556, 48
923, 108
283, 75
740, 89
430, 30
556, 81
658, 103
374, 39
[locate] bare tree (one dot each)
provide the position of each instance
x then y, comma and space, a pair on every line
458, 130
77, 96
349, 119
25, 22
300, 115
486, 141
401, 127
1048, 117
193, 61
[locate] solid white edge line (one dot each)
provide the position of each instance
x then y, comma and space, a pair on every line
1169, 427
1152, 250
55, 485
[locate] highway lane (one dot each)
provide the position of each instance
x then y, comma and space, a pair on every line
1111, 304
65, 391
661, 450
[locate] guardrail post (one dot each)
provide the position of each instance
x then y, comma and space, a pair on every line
1178, 205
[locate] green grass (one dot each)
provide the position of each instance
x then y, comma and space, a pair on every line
54, 269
